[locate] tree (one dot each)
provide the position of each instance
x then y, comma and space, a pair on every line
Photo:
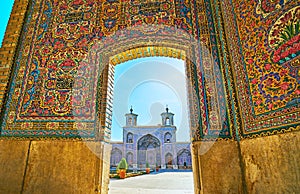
122, 164
121, 168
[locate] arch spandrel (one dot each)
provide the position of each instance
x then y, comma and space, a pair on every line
86, 33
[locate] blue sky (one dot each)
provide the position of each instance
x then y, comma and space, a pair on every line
5, 9
148, 84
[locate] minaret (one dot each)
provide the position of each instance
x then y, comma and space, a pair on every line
167, 118
131, 118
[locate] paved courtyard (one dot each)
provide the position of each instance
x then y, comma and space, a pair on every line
161, 183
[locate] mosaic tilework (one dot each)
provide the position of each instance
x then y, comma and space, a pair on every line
267, 42
54, 83
57, 81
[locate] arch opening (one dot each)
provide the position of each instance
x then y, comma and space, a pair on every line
129, 138
148, 151
116, 156
168, 137
184, 159
153, 154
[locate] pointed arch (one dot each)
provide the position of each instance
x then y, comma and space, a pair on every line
129, 138
129, 159
184, 158
116, 156
169, 160
168, 137
149, 151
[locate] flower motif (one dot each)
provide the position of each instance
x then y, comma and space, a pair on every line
276, 58
258, 102
77, 2
283, 72
286, 17
284, 54
268, 66
269, 6
269, 81
58, 45
250, 61
284, 86
270, 106
68, 63
254, 81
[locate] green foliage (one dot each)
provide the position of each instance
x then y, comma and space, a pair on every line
147, 165
122, 164
297, 27
290, 31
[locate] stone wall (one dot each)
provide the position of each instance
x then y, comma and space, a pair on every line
13, 159
272, 164
53, 166
219, 167
261, 165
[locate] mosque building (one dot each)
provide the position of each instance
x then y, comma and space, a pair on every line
156, 145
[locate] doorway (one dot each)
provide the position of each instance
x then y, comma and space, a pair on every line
149, 149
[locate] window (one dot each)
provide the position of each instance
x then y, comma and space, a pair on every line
129, 138
167, 121
130, 121
168, 137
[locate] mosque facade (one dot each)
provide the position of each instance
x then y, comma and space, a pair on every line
155, 145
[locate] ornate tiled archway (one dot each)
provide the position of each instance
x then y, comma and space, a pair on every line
56, 74
149, 148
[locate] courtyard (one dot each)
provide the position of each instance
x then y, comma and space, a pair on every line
158, 183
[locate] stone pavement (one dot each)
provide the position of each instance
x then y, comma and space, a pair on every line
159, 183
